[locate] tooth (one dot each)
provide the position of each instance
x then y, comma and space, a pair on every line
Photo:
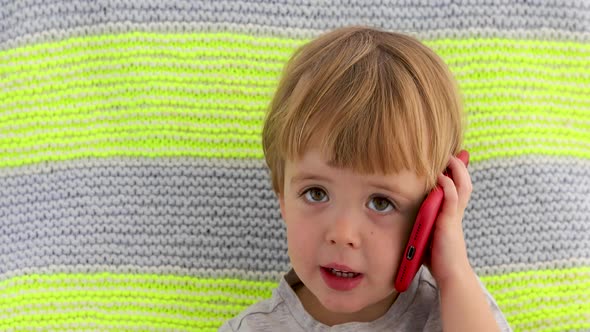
343, 274
341, 271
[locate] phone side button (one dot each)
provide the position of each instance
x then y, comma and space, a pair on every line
410, 254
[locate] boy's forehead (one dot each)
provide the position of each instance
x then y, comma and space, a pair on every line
314, 164
313, 160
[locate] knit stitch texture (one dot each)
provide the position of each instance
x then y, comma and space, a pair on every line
133, 192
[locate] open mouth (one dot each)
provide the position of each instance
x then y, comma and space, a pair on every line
341, 280
341, 274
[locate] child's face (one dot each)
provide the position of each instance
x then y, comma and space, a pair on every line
336, 216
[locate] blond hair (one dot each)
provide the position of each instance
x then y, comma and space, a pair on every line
370, 100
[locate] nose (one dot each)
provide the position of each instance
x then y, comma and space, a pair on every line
345, 231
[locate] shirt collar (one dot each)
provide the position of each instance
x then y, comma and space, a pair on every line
308, 323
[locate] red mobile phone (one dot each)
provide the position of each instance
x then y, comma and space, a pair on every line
421, 236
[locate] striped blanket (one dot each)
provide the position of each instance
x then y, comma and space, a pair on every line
133, 192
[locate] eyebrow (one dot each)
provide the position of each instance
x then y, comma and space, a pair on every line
308, 176
384, 187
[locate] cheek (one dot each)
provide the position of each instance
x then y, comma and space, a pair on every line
300, 234
296, 234
387, 248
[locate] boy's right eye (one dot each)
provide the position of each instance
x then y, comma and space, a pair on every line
315, 195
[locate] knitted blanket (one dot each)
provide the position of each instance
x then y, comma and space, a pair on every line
133, 192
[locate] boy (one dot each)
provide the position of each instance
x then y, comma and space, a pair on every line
359, 131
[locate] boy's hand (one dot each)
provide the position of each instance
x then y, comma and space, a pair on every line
448, 258
464, 306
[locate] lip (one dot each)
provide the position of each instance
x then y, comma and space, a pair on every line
340, 283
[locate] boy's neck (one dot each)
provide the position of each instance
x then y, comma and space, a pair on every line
322, 315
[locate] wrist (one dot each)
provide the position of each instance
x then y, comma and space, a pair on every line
457, 275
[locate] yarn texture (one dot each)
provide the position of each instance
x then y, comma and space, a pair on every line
133, 191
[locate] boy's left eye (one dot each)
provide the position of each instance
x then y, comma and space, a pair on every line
380, 204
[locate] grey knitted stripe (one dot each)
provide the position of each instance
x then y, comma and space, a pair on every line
51, 18
273, 275
207, 216
528, 211
165, 214
244, 274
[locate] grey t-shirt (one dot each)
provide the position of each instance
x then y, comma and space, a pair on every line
417, 309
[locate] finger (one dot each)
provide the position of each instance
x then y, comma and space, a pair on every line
464, 157
450, 200
462, 180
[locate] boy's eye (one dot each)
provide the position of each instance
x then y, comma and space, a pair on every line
315, 195
380, 204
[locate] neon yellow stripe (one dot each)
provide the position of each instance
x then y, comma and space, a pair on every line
244, 92
74, 95
138, 67
125, 300
143, 64
147, 281
211, 44
139, 128
546, 300
537, 300
524, 47
112, 321
223, 82
121, 108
